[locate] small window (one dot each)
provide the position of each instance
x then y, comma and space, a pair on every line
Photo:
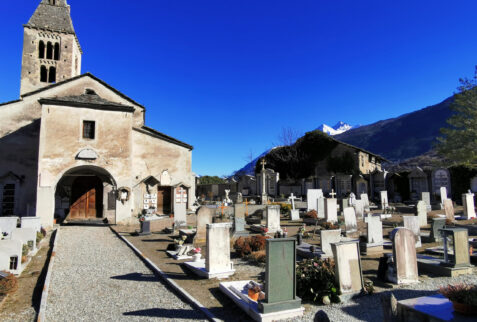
52, 75
49, 51
57, 51
43, 74
13, 262
8, 200
88, 129
41, 50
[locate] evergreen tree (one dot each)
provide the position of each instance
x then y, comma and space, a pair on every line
459, 141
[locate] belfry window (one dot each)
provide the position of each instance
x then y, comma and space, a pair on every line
49, 51
43, 74
88, 129
57, 51
41, 50
52, 75
53, 2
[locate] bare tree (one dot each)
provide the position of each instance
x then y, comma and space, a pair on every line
288, 136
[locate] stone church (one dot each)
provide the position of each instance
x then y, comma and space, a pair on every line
74, 147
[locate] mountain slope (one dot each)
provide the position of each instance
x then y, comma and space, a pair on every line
249, 168
403, 137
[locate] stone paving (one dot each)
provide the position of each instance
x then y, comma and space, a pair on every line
96, 277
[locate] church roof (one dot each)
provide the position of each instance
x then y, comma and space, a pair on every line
52, 17
147, 130
90, 100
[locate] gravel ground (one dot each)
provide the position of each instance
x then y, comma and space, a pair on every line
96, 277
368, 307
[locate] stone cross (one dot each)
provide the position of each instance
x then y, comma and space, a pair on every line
333, 193
292, 198
264, 182
263, 163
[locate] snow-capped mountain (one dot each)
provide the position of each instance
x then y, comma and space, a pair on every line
339, 128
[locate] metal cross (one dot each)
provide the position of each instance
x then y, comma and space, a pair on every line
333, 193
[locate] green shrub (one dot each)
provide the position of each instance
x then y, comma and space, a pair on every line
25, 249
316, 279
39, 237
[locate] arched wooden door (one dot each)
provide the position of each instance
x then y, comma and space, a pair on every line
86, 198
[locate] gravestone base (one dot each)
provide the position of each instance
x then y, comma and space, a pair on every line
295, 215
237, 292
435, 266
371, 249
439, 250
352, 234
279, 306
198, 268
240, 234
303, 250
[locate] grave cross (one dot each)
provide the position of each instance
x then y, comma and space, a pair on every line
223, 207
292, 198
332, 193
246, 207
181, 191
263, 163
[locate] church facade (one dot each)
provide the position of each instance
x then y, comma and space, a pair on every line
74, 147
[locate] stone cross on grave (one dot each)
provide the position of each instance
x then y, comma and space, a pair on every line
333, 193
181, 191
264, 183
292, 198
263, 163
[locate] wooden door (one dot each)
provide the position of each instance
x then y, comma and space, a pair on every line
85, 206
164, 200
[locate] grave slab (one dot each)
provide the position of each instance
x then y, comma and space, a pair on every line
199, 269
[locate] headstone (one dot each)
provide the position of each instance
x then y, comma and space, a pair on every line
8, 224
412, 223
469, 207
422, 213
350, 220
436, 225
327, 237
280, 276
443, 191
384, 199
239, 198
365, 199
295, 214
404, 254
26, 236
352, 199
359, 208
204, 217
180, 215
320, 207
312, 196
426, 197
31, 222
348, 272
460, 241
344, 203
11, 256
331, 210
273, 218
375, 231
239, 217
217, 259
449, 209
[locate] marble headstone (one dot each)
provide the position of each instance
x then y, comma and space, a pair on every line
426, 197
469, 207
375, 230
312, 196
180, 215
218, 248
436, 225
384, 199
350, 220
404, 254
422, 213
204, 217
239, 217
359, 208
327, 237
273, 218
320, 207
331, 210
449, 209
443, 191
348, 272
412, 223
365, 199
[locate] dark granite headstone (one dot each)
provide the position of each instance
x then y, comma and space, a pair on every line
145, 228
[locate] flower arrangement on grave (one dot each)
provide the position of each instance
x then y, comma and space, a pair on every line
312, 214
197, 250
302, 229
462, 296
329, 226
264, 230
196, 254
8, 284
141, 216
316, 280
255, 291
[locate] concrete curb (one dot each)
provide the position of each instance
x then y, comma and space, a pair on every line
46, 286
169, 281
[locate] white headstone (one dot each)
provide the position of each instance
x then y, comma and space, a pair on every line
443, 191
375, 230
359, 208
31, 222
422, 213
331, 210
426, 197
295, 214
180, 215
218, 248
348, 272
320, 209
412, 223
469, 207
350, 220
25, 235
8, 224
312, 196
273, 218
327, 237
384, 199
365, 199
352, 199
9, 249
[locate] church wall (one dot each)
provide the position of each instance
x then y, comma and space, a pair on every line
61, 140
151, 156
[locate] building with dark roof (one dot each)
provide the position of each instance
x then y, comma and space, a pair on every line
74, 147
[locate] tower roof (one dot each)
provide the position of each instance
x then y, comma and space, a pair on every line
53, 15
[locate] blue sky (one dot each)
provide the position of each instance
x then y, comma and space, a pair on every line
226, 76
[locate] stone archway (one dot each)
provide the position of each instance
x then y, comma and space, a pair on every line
85, 193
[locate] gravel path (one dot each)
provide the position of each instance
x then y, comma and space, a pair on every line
96, 277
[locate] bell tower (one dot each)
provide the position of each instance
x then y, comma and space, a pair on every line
51, 50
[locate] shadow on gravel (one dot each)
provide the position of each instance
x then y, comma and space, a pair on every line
167, 313
139, 277
37, 292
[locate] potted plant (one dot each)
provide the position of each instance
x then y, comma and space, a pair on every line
197, 254
462, 296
